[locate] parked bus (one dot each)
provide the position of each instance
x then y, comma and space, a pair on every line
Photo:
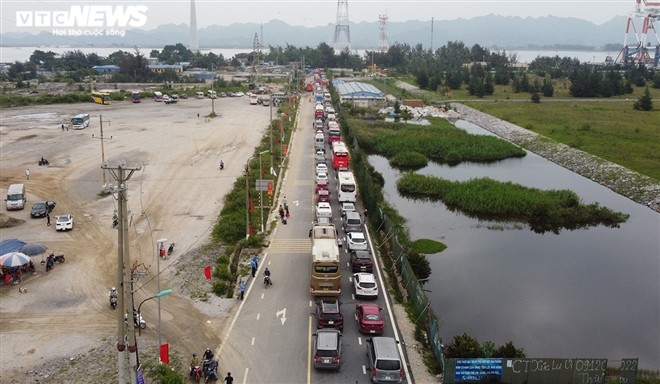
158, 96
340, 156
325, 276
135, 96
346, 187
80, 121
334, 133
101, 97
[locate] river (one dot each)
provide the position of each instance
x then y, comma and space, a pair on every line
584, 293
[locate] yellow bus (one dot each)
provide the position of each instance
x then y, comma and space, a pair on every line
325, 275
101, 97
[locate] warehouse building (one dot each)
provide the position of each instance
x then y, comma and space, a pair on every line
359, 94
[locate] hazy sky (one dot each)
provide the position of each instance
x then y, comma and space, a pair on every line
319, 13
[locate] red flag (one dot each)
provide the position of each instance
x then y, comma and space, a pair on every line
207, 272
251, 208
165, 354
251, 231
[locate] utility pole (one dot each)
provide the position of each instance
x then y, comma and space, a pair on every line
104, 187
124, 277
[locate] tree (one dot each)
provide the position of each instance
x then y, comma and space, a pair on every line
420, 265
644, 103
536, 98
508, 350
464, 346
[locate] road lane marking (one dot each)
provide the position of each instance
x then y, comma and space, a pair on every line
360, 340
309, 350
258, 316
245, 375
283, 313
364, 370
252, 342
262, 295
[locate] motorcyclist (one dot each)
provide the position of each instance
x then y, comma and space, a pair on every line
115, 219
194, 362
222, 164
267, 276
208, 359
113, 292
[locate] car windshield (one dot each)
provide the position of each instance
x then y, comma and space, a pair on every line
372, 317
62, 219
388, 365
367, 285
39, 206
358, 240
326, 352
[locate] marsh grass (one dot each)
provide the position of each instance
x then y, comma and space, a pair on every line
484, 198
440, 141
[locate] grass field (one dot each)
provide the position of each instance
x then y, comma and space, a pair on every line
611, 130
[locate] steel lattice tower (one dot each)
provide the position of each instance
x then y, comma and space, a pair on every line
382, 27
194, 42
342, 26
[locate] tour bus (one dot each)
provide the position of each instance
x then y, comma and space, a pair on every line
346, 188
325, 276
101, 97
158, 96
340, 156
135, 96
334, 133
80, 121
212, 94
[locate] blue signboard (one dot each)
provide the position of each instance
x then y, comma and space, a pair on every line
477, 369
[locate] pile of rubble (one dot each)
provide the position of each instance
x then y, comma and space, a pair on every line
418, 113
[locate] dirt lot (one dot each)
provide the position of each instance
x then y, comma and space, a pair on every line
65, 312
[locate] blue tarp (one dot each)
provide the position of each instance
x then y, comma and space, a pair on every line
10, 245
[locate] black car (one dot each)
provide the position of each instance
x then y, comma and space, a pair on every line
328, 314
361, 261
42, 208
183, 96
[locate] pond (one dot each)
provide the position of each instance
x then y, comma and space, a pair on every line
591, 293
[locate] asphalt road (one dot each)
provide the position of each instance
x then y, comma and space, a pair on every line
270, 339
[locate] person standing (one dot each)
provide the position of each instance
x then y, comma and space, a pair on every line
253, 264
242, 289
229, 379
62, 127
48, 219
27, 173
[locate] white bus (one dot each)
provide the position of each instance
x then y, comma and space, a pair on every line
346, 187
80, 121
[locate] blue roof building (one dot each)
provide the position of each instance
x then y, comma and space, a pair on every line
106, 68
360, 94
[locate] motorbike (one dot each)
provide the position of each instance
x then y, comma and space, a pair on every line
137, 323
267, 281
43, 162
170, 249
115, 221
113, 302
51, 259
210, 368
196, 373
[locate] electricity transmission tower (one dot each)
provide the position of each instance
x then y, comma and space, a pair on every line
342, 27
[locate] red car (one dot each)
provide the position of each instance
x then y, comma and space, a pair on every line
323, 196
322, 184
369, 318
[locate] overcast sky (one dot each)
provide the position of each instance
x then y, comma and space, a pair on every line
320, 13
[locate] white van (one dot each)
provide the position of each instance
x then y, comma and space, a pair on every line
319, 142
15, 197
200, 95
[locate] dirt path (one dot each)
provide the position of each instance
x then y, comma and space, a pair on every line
176, 195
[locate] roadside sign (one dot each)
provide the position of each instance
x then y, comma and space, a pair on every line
262, 184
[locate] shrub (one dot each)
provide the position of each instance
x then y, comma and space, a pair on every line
220, 287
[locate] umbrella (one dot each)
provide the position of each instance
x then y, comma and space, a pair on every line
33, 249
14, 259
10, 245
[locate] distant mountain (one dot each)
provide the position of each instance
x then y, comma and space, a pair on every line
498, 32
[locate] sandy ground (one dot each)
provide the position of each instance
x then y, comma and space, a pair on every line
65, 311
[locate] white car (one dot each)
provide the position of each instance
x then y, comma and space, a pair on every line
322, 176
356, 241
239, 94
63, 222
323, 210
321, 168
365, 285
347, 207
320, 157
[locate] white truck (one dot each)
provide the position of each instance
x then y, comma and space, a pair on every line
15, 197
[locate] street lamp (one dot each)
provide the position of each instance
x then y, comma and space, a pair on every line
160, 245
261, 190
247, 197
158, 295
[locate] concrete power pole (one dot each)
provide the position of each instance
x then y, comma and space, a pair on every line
124, 278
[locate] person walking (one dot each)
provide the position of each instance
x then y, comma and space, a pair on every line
62, 127
242, 289
48, 219
27, 173
281, 212
229, 379
253, 264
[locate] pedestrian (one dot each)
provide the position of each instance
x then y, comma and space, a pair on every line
287, 212
253, 264
27, 173
67, 127
256, 260
285, 203
281, 212
198, 116
242, 289
62, 127
48, 219
229, 379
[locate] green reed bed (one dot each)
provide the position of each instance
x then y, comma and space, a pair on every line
440, 141
484, 198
